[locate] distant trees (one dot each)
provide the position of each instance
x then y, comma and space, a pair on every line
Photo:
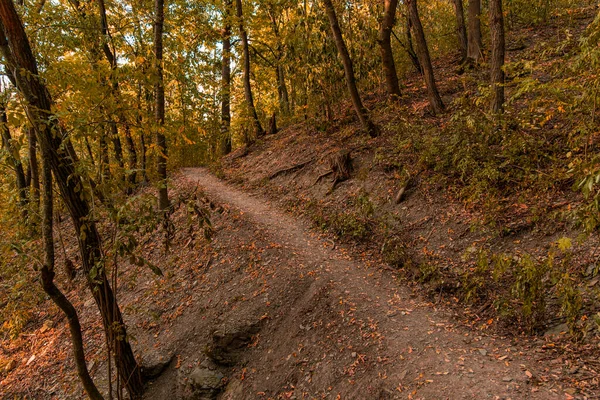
385, 44
435, 100
474, 50
497, 56
359, 108
258, 129
461, 29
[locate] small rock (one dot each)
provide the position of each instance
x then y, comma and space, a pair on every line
12, 364
48, 324
507, 379
483, 352
153, 364
205, 384
557, 330
353, 354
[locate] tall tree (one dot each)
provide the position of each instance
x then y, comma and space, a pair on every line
116, 93
461, 29
498, 54
226, 81
159, 107
385, 44
19, 58
47, 274
258, 129
361, 111
475, 45
435, 100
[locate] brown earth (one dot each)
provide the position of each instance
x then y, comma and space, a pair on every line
337, 324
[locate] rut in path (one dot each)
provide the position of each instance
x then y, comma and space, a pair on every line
422, 353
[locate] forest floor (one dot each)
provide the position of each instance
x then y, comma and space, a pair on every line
328, 320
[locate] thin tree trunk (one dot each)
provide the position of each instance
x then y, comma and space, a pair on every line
284, 98
19, 58
226, 82
112, 59
33, 167
159, 111
498, 54
14, 158
461, 29
361, 111
47, 274
423, 52
282, 91
258, 129
475, 46
385, 45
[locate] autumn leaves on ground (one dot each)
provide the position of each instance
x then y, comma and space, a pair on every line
383, 200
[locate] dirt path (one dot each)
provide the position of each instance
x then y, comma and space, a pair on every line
357, 332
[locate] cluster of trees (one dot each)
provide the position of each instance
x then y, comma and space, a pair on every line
102, 96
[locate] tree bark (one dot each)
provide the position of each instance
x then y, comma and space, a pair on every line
47, 275
385, 45
226, 82
19, 58
475, 46
33, 167
425, 60
497, 57
258, 129
159, 111
361, 111
461, 29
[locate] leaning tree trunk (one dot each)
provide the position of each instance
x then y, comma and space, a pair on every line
425, 60
19, 58
461, 29
159, 111
475, 46
47, 275
226, 82
385, 45
258, 129
361, 111
497, 58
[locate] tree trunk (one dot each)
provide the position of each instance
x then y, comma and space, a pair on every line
47, 275
497, 58
226, 82
33, 167
361, 111
159, 111
14, 159
461, 29
19, 58
284, 100
474, 33
385, 45
423, 52
258, 129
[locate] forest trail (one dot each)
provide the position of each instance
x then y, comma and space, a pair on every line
387, 343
